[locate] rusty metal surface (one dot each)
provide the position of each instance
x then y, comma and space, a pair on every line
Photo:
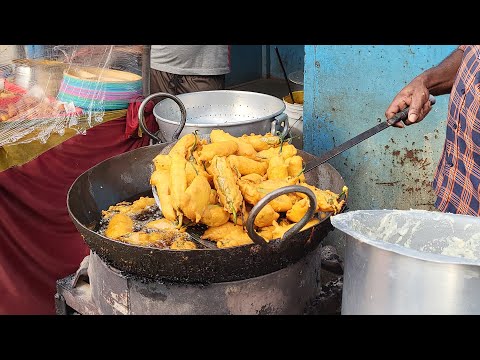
287, 291
109, 288
78, 298
88, 300
329, 301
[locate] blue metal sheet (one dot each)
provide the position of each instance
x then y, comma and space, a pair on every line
245, 64
347, 90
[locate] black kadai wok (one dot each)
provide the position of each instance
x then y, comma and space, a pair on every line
127, 177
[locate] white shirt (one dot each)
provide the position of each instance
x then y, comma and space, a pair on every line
191, 59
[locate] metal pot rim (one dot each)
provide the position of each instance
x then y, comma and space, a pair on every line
398, 249
211, 125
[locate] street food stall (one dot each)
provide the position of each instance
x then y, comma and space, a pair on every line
201, 203
74, 134
61, 112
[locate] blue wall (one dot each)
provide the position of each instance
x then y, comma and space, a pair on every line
292, 58
347, 89
245, 64
252, 62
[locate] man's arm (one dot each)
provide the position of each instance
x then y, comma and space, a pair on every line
439, 79
436, 81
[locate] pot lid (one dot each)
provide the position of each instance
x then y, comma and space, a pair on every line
296, 77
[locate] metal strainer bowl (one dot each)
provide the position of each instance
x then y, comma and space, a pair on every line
236, 112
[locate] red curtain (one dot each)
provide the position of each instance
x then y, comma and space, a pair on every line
38, 242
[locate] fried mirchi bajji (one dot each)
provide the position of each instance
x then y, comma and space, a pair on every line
216, 182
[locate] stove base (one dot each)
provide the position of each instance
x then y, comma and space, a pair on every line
287, 291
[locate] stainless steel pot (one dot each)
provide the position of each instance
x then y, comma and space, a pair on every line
296, 78
235, 112
410, 262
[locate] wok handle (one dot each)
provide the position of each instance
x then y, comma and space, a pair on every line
183, 112
276, 125
257, 239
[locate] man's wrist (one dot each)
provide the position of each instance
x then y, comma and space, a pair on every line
424, 79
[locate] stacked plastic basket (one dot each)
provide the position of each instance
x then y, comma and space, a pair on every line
99, 89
